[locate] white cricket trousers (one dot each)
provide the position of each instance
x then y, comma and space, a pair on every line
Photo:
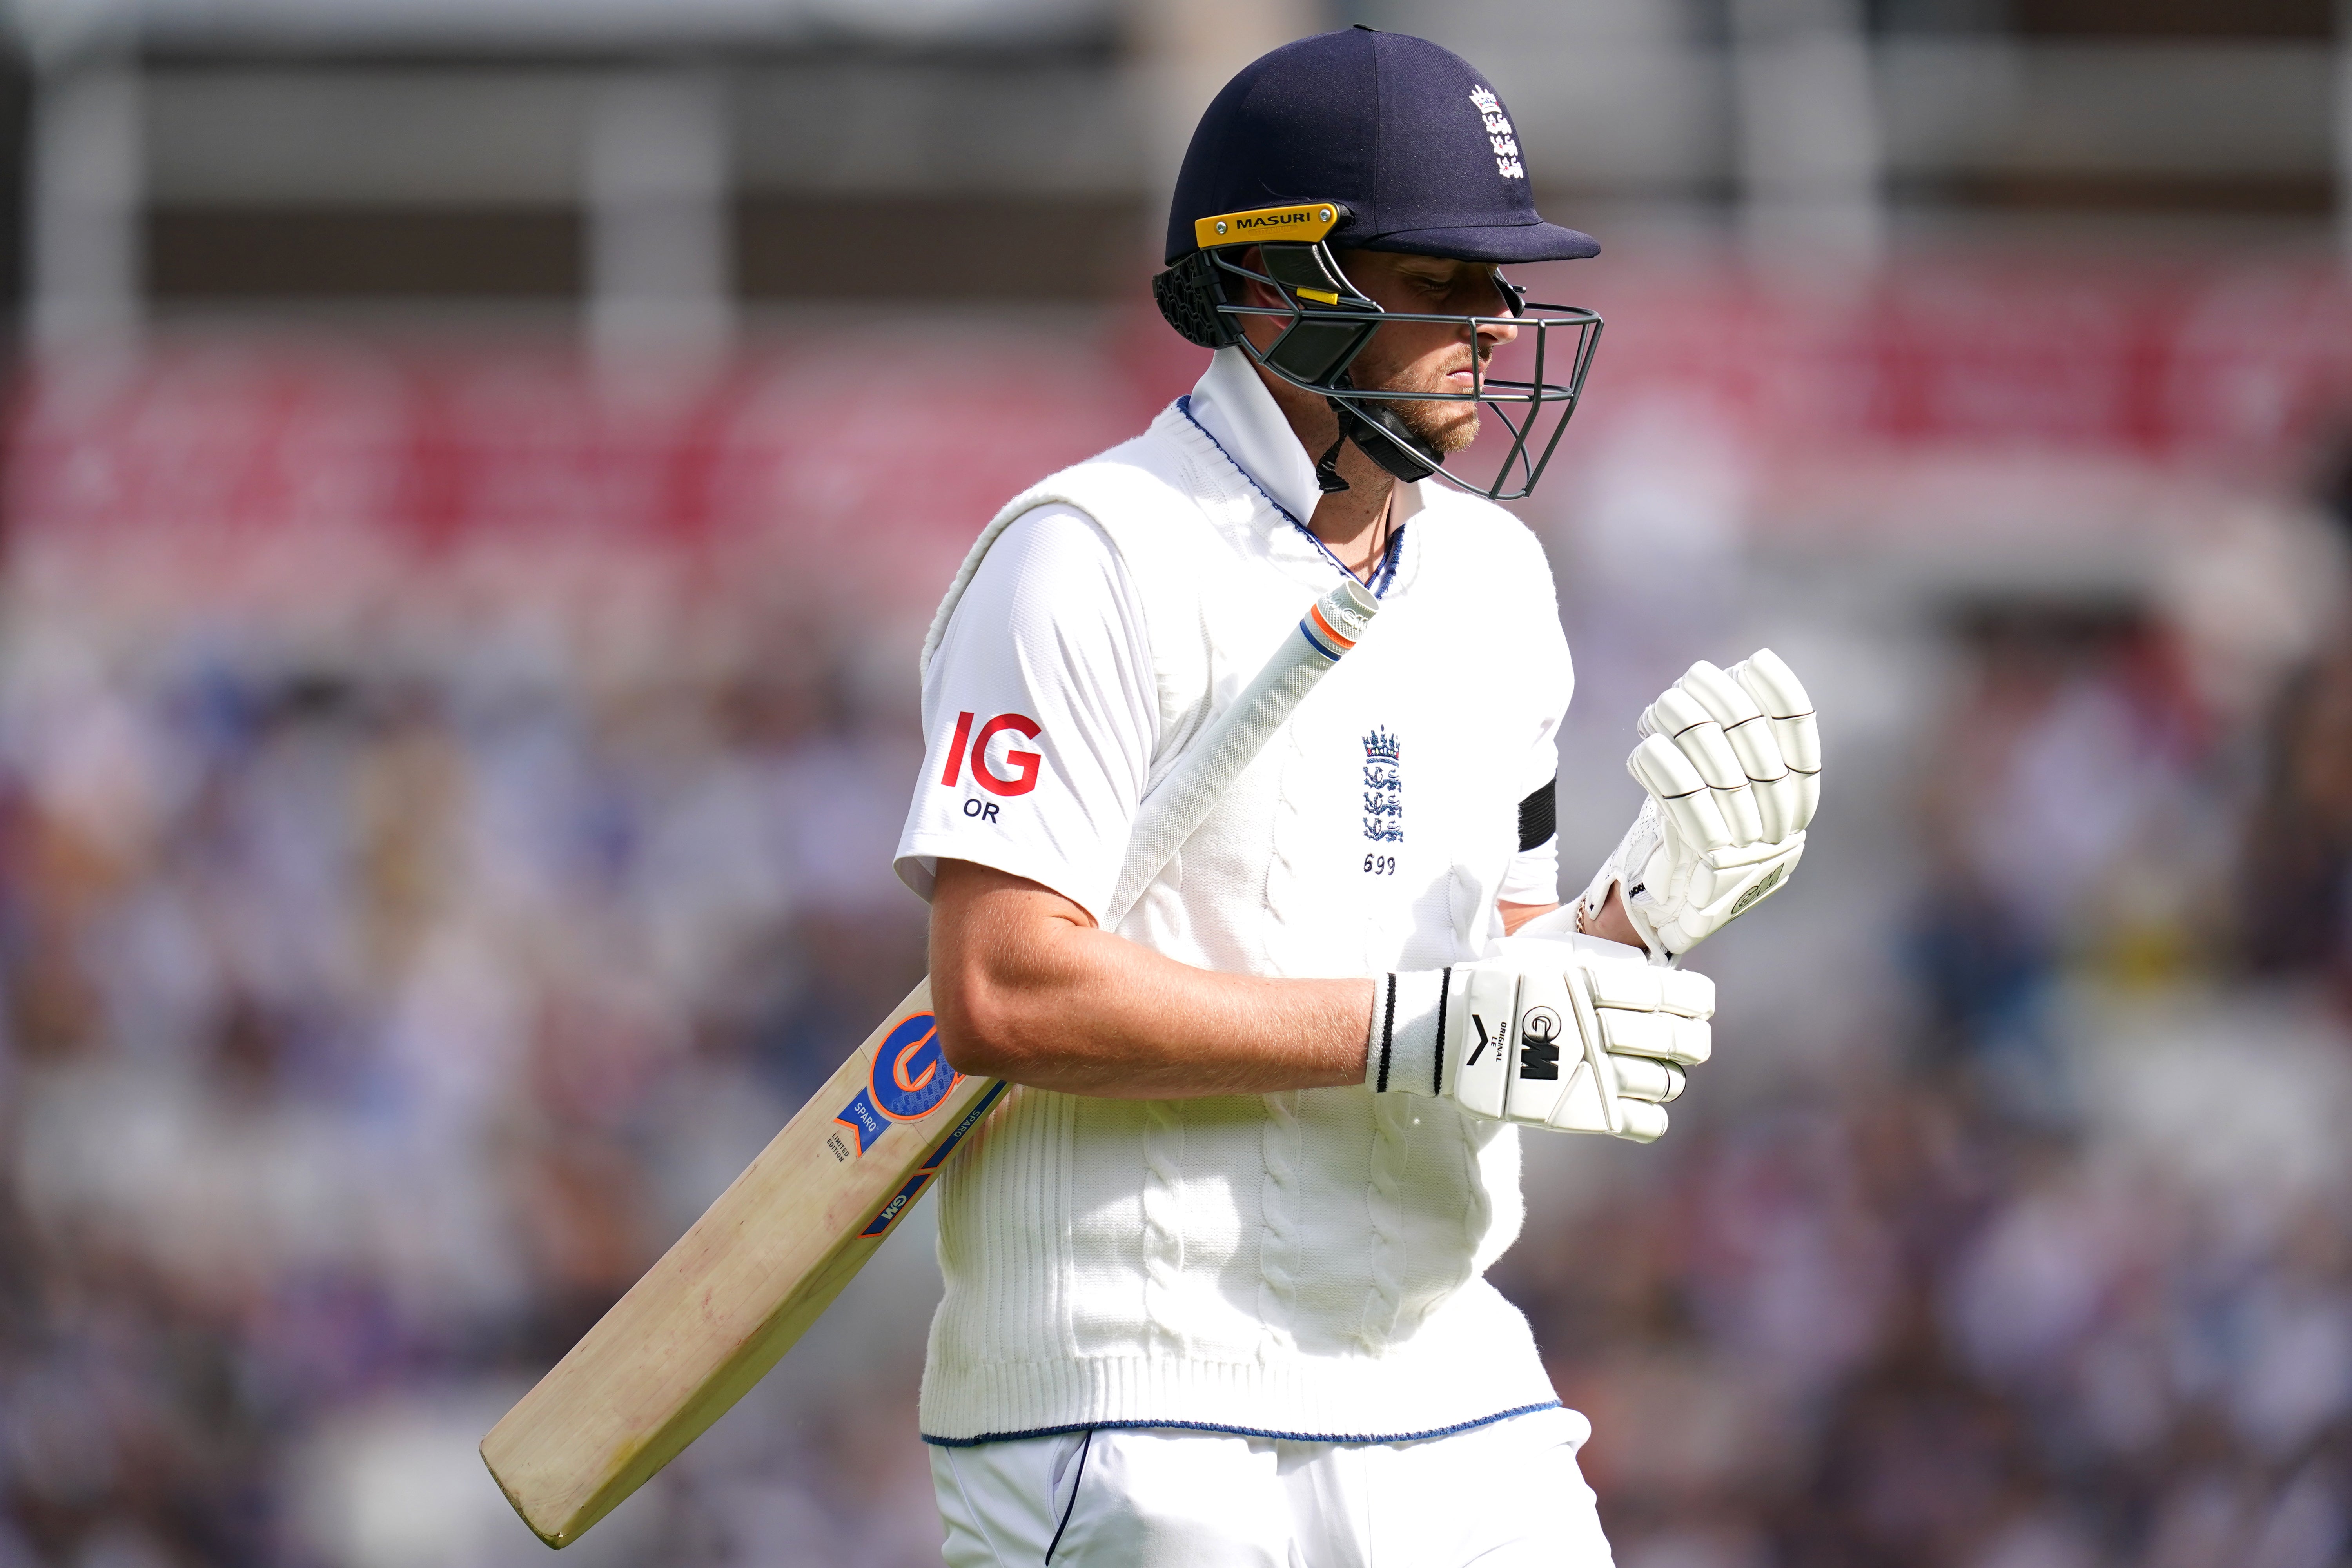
1504, 1495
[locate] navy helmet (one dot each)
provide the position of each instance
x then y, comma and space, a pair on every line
1370, 140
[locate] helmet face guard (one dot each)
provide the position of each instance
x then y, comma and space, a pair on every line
1329, 321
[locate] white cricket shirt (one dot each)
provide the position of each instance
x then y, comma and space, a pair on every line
1308, 1264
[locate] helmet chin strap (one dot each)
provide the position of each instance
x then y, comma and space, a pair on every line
1407, 455
1327, 467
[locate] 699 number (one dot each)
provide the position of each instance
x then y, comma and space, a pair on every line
1380, 864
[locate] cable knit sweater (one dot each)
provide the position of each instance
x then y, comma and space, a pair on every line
1308, 1264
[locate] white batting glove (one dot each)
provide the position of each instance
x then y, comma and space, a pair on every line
1569, 1038
1732, 760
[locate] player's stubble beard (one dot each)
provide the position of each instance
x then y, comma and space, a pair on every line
1446, 428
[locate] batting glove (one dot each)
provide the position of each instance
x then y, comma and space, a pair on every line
1559, 1034
1732, 761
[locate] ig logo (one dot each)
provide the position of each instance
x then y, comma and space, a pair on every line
1021, 780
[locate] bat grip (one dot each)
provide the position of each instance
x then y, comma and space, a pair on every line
1174, 811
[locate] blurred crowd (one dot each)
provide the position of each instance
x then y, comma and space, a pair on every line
2053, 1269
383, 994
373, 1019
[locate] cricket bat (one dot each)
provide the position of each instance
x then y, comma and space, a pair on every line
742, 1285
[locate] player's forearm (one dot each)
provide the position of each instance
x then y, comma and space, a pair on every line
1516, 915
1027, 988
1612, 923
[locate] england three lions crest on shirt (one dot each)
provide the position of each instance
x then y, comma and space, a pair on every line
1383, 797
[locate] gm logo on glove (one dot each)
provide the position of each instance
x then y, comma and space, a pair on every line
1539, 1044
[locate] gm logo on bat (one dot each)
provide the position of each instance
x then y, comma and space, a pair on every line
910, 1077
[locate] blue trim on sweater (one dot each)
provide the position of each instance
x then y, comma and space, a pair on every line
1382, 576
1239, 1431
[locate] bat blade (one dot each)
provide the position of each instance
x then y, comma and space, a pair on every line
743, 1284
766, 1260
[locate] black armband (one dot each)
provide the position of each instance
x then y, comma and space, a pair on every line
1539, 817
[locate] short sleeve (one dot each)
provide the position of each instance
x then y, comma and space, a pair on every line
1040, 716
1533, 877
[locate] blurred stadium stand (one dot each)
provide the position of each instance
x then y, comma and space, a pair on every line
268, 152
476, 477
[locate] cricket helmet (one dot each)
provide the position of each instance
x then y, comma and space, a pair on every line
1370, 140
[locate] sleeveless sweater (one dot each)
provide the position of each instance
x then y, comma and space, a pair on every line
1308, 1264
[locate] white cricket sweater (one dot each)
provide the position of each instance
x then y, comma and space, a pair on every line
1306, 1263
